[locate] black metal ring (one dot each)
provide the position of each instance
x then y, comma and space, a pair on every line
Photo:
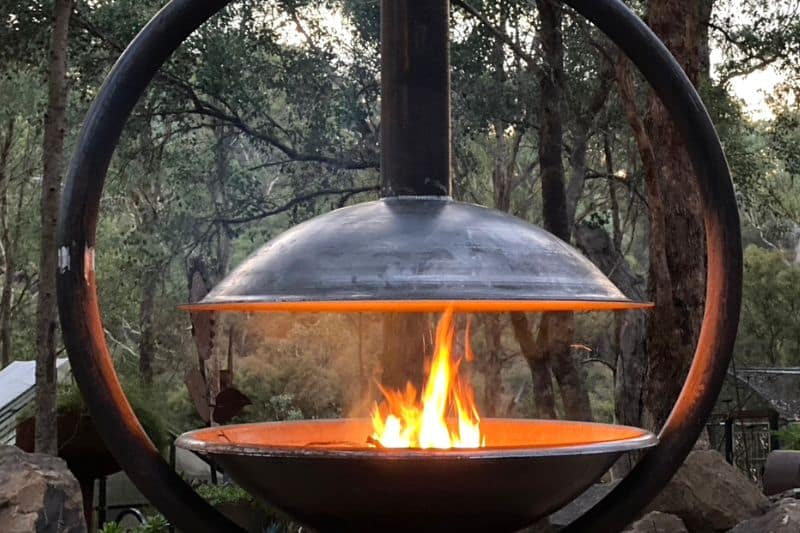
724, 270
81, 324
83, 330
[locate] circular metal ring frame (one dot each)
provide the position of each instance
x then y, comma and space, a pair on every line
83, 329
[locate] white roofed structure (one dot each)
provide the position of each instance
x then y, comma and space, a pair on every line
17, 391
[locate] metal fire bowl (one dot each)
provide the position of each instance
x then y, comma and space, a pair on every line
323, 474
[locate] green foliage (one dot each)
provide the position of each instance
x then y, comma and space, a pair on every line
789, 437
752, 34
224, 493
149, 408
271, 101
145, 403
227, 494
769, 333
113, 527
154, 524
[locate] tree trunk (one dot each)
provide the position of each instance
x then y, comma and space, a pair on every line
616, 223
582, 133
679, 292
502, 184
54, 127
405, 347
147, 337
221, 252
219, 195
204, 326
493, 365
555, 329
535, 354
8, 252
544, 401
155, 265
554, 200
628, 334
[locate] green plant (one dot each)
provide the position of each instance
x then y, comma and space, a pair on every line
154, 524
112, 527
230, 494
146, 406
789, 437
226, 493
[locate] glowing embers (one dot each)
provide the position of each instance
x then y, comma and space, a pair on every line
445, 416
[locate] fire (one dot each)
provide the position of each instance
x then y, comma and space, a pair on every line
445, 417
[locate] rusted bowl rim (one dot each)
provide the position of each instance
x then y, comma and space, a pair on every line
195, 441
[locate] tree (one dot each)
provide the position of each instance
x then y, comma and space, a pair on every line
528, 107
769, 334
6, 141
54, 130
556, 330
677, 267
20, 145
268, 116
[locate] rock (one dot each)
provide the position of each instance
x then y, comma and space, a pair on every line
656, 522
783, 518
710, 495
38, 494
793, 494
703, 441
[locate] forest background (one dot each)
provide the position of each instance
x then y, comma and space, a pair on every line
269, 115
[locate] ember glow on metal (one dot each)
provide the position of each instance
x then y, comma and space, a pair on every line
445, 416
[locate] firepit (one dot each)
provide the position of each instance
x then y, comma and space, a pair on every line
426, 459
316, 472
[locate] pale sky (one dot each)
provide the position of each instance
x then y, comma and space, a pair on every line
754, 90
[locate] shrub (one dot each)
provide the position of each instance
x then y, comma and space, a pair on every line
789, 437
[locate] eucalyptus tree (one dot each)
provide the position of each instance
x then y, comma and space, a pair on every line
268, 115
753, 36
770, 328
52, 170
20, 159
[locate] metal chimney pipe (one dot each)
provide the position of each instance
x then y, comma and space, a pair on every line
415, 98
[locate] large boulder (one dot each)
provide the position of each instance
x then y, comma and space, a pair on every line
783, 518
710, 495
656, 522
38, 494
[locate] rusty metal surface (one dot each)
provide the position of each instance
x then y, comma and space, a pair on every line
414, 249
341, 486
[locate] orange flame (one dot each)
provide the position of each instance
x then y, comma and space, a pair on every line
403, 421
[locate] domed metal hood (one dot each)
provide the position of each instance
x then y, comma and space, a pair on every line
415, 250
415, 254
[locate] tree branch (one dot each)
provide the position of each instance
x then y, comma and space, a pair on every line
205, 108
499, 33
299, 200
